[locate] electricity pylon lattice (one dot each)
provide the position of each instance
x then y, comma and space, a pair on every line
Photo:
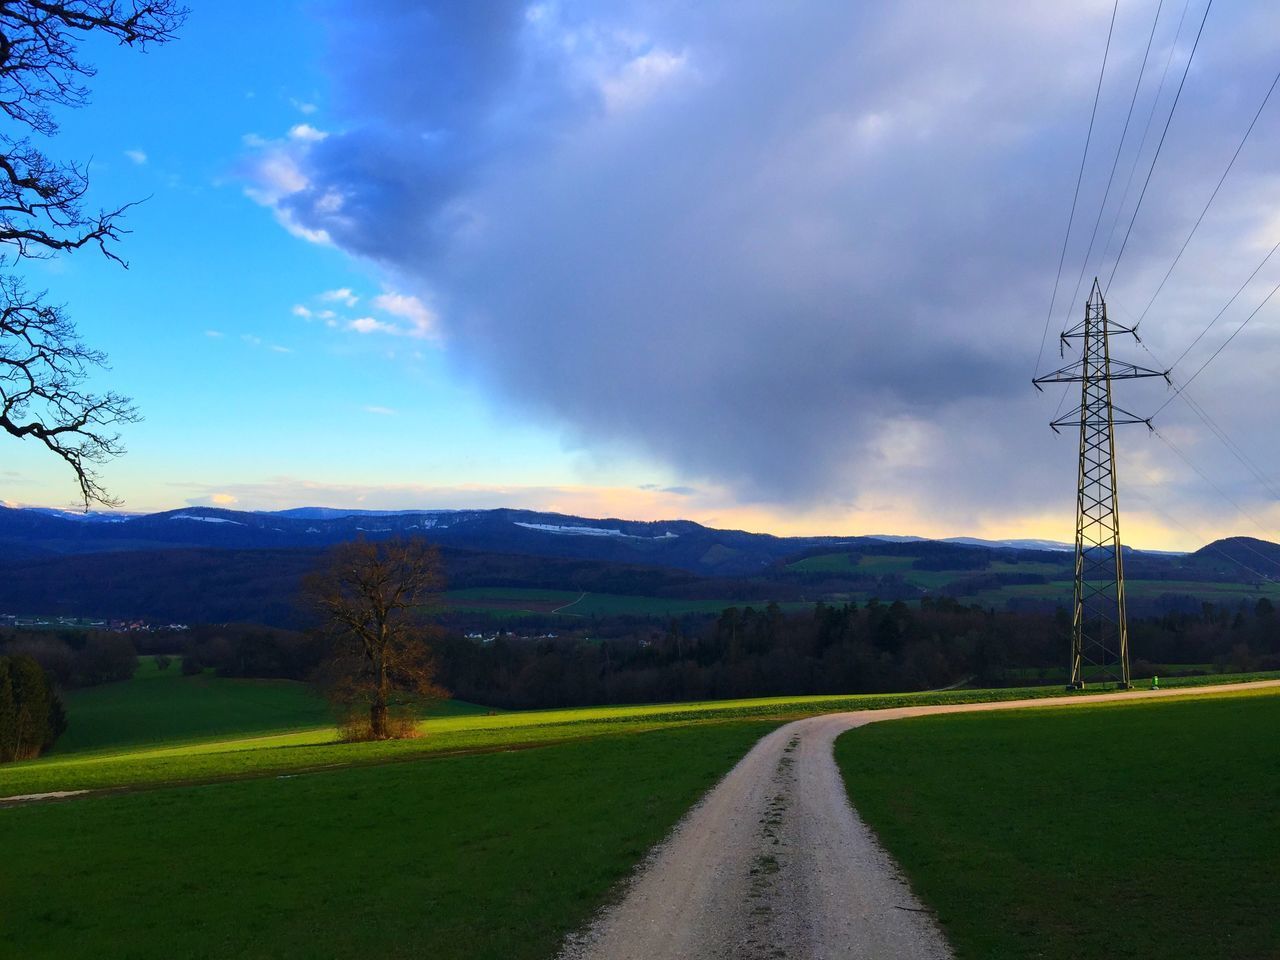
1099, 633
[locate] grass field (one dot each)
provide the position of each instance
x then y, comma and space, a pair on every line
489, 836
274, 753
493, 856
1058, 588
1131, 830
164, 707
519, 601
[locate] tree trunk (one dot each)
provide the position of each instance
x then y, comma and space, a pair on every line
378, 718
378, 710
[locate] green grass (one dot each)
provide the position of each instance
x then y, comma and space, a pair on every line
853, 563
1148, 829
164, 707
1140, 589
494, 856
278, 753
507, 602
1057, 589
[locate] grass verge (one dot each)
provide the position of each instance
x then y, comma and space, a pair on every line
1148, 829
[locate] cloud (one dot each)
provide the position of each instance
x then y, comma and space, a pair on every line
214, 334
272, 174
276, 348
303, 106
380, 411
342, 295
302, 311
306, 133
423, 323
372, 325
137, 156
803, 255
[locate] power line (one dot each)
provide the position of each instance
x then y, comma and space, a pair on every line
1217, 430
1222, 493
1106, 194
1169, 120
1079, 177
1213, 356
1155, 102
1234, 448
1199, 536
1219, 314
1212, 196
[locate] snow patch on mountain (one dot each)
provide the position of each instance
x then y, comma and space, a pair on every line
578, 531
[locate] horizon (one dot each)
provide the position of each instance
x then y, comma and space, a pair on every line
352, 511
777, 334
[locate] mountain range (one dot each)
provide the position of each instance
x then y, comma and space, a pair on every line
681, 544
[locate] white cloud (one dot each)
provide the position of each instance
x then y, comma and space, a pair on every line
214, 334
250, 339
279, 349
342, 295
642, 77
372, 325
274, 172
380, 411
300, 311
302, 106
423, 322
137, 156
306, 133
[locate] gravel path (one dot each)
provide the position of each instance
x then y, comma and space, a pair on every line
775, 863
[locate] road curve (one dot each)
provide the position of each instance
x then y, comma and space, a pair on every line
774, 862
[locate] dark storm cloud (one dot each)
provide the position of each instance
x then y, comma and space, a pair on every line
803, 251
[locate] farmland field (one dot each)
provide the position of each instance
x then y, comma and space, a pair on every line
519, 601
1137, 830
489, 836
164, 707
471, 729
493, 856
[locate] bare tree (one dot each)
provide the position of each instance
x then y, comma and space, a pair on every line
43, 363
372, 597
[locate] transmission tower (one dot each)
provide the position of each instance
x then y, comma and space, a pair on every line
1099, 633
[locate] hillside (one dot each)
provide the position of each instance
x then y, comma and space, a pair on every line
207, 565
681, 544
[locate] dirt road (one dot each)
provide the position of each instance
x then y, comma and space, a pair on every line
775, 863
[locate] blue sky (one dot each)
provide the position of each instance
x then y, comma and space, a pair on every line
784, 270
203, 328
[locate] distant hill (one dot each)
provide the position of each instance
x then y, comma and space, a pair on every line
1249, 554
682, 544
207, 564
675, 543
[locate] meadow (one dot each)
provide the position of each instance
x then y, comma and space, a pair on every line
1057, 588
490, 856
520, 601
489, 836
164, 707
237, 745
1147, 829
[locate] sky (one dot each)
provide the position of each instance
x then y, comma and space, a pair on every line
776, 267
